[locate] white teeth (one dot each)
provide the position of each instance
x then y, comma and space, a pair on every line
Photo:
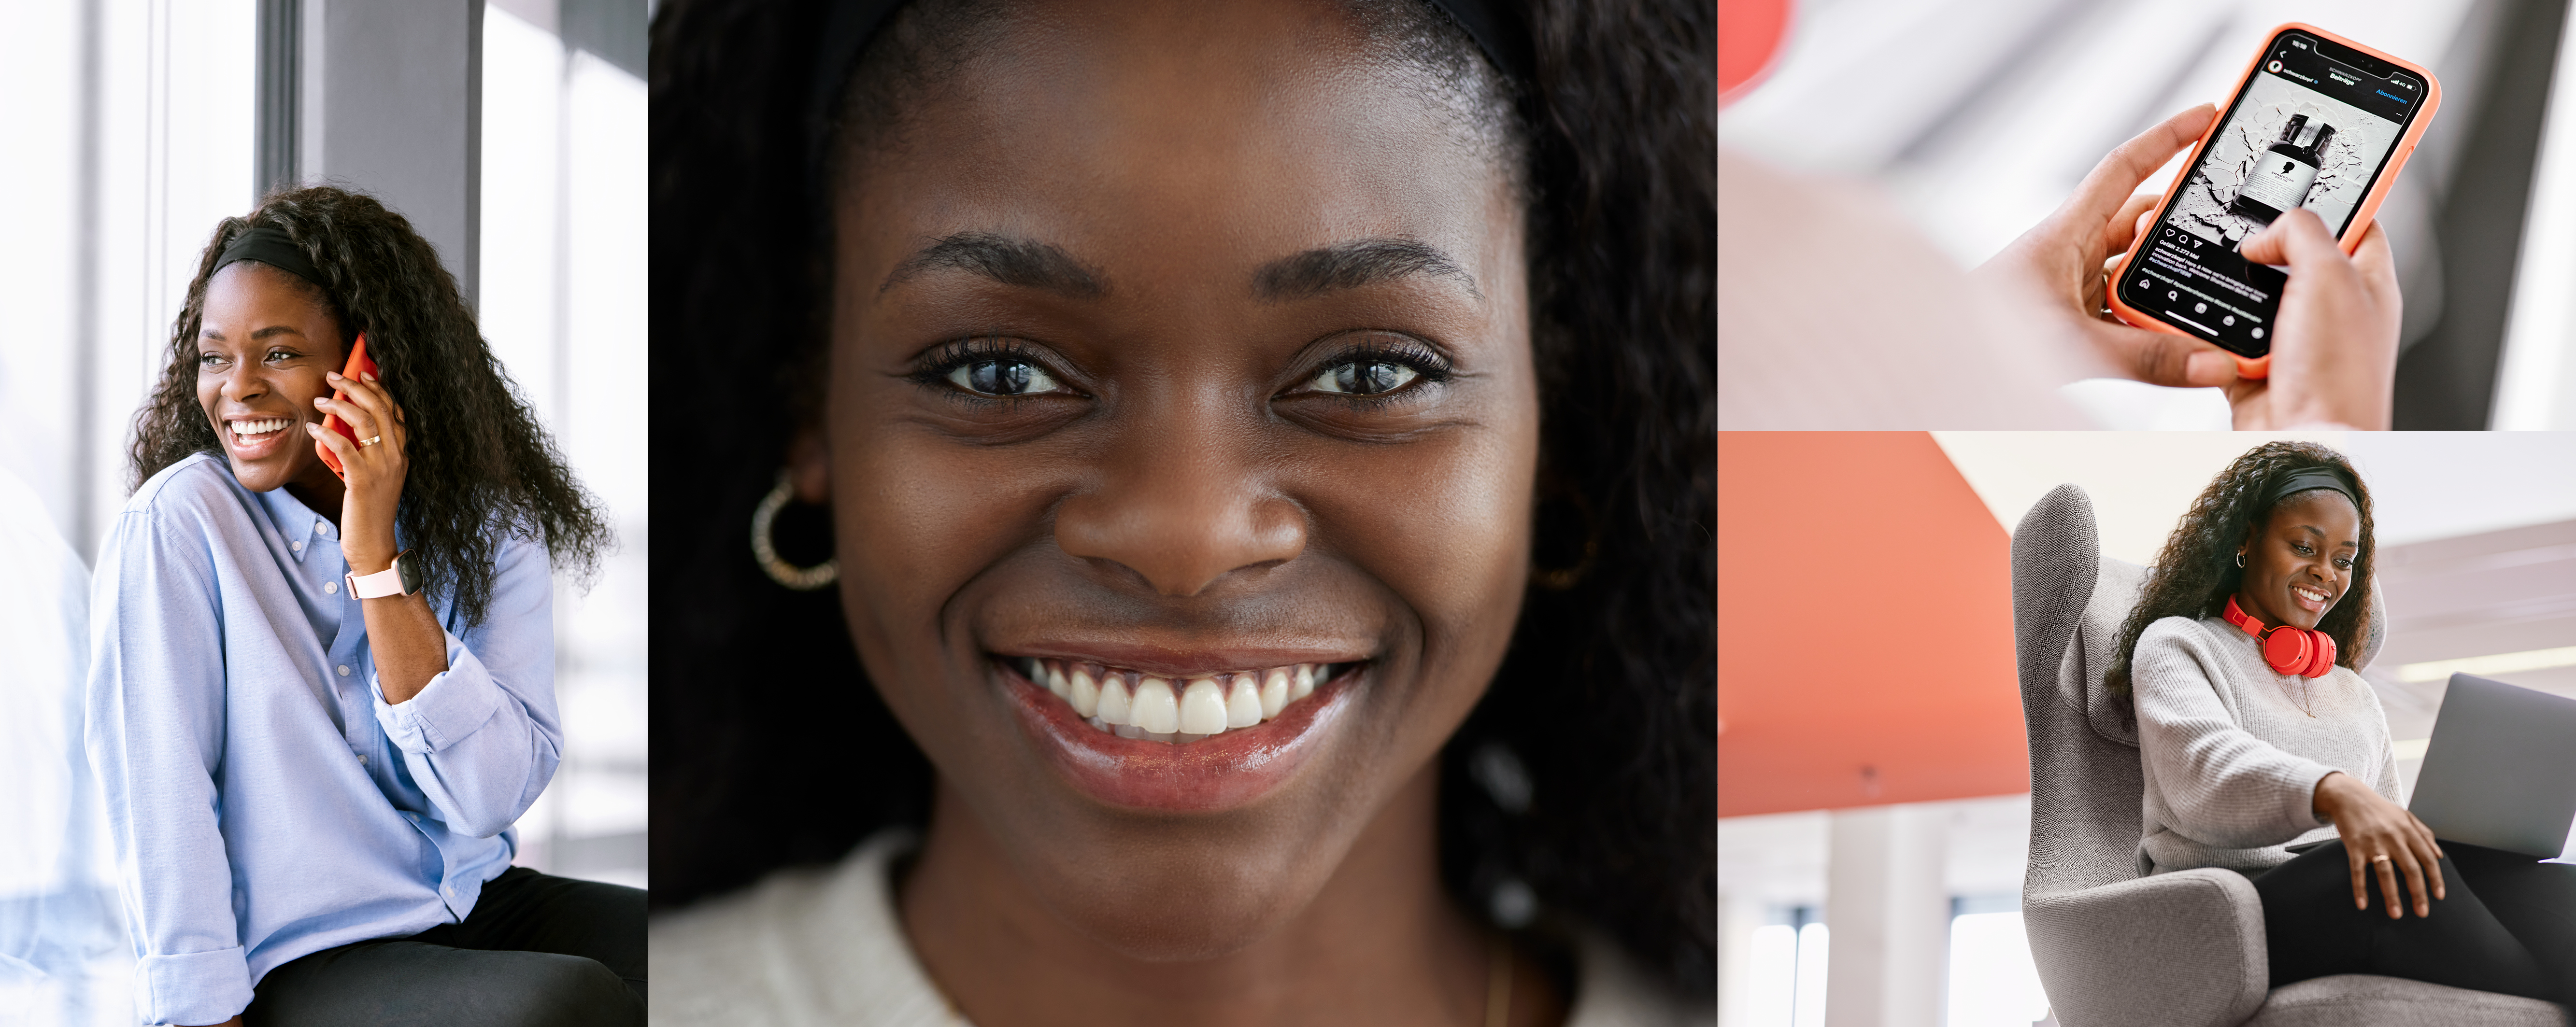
1156, 709
1115, 704
1242, 703
1133, 705
1274, 692
245, 429
1203, 708
1082, 692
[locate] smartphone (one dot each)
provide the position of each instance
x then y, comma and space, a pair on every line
2318, 121
358, 365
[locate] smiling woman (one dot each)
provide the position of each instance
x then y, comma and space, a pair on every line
2264, 752
1262, 457
321, 692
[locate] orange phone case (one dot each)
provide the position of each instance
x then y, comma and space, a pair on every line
2261, 367
358, 365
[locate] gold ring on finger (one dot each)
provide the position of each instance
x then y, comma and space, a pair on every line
2381, 858
373, 439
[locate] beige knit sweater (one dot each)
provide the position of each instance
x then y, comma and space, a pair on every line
2232, 753
824, 947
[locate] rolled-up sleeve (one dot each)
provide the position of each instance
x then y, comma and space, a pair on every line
155, 729
2224, 786
483, 738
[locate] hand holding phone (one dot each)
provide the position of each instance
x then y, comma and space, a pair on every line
358, 365
2318, 123
2062, 259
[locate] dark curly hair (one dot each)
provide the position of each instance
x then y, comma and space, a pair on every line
2196, 571
1587, 775
477, 457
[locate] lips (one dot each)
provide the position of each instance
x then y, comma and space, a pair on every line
2310, 598
1132, 766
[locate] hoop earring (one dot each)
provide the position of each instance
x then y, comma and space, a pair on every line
1559, 579
802, 579
2240, 558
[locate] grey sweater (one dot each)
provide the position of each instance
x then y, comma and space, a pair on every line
2231, 754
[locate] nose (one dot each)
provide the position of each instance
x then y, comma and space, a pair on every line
1181, 516
244, 382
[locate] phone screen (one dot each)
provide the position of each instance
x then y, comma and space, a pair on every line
2313, 128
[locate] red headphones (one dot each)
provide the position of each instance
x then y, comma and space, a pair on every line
2287, 649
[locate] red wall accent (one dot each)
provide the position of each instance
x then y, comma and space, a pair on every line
1749, 34
1864, 620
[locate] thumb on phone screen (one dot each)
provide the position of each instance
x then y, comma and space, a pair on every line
2334, 350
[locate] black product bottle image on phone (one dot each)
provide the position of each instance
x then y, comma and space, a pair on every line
2280, 180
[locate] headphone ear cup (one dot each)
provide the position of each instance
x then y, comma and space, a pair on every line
2324, 661
2288, 651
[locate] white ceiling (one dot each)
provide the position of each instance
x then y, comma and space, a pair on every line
2424, 485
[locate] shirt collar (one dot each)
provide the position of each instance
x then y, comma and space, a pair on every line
302, 529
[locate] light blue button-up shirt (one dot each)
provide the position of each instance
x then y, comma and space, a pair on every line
264, 799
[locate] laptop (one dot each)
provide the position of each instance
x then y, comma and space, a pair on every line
2501, 768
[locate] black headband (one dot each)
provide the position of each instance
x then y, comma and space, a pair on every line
2306, 478
271, 247
851, 23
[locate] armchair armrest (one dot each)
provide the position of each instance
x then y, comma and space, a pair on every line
2183, 949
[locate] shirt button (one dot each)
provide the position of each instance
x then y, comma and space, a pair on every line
344, 670
362, 759
297, 546
330, 588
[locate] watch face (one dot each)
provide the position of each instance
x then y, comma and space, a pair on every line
409, 568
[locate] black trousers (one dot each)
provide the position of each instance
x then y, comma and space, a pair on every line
536, 950
2508, 925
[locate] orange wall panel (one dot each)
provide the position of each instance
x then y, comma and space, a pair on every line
1864, 626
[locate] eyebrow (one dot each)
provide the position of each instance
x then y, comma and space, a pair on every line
254, 336
1004, 259
2320, 533
1353, 264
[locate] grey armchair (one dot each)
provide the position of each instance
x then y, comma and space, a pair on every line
2114, 946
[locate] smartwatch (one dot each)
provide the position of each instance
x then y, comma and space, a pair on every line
401, 579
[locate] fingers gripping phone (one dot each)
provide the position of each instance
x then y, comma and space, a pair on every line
358, 365
2317, 121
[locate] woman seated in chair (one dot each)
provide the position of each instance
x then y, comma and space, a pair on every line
322, 689
2266, 753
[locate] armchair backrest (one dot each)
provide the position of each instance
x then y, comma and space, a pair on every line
2085, 785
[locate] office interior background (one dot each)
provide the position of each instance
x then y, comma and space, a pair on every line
512, 134
1873, 777
1977, 117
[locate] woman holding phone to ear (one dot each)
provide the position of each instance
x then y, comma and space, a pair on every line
2257, 737
319, 700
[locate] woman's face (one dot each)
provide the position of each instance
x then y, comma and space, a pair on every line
2299, 562
263, 346
1176, 346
